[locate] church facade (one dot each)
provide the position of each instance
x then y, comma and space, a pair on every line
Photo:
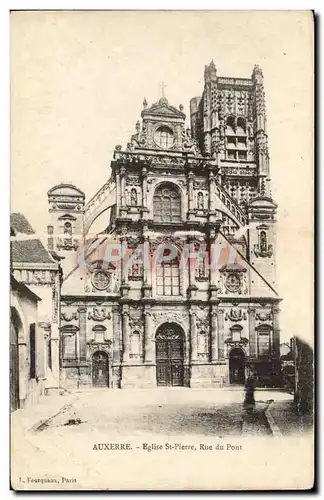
178, 288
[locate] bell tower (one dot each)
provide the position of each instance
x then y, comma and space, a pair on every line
66, 208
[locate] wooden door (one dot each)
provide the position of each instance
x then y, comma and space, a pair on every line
169, 357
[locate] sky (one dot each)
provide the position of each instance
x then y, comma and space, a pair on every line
78, 80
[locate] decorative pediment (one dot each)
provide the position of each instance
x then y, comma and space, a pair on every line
66, 190
69, 329
99, 328
163, 108
67, 217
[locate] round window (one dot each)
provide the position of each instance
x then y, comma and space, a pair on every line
100, 280
164, 137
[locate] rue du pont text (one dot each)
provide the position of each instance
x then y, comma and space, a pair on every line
149, 447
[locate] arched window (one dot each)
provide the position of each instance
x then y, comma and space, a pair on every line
241, 126
167, 204
230, 124
164, 137
135, 342
168, 278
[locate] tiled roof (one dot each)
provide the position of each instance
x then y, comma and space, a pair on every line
30, 251
20, 224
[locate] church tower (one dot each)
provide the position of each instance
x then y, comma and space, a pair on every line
65, 231
229, 123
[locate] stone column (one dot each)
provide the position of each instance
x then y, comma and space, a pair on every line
148, 345
55, 353
122, 186
116, 335
192, 270
124, 267
214, 335
193, 336
123, 208
252, 333
145, 209
220, 320
82, 310
213, 255
212, 193
147, 271
190, 195
126, 336
276, 331
118, 200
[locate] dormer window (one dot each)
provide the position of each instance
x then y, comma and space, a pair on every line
164, 137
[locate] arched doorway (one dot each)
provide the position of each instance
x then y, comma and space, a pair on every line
15, 326
100, 373
169, 355
237, 366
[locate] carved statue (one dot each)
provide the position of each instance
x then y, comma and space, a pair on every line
200, 201
133, 197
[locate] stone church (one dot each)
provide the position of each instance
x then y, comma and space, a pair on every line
133, 315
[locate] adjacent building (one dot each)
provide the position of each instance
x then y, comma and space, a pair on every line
38, 273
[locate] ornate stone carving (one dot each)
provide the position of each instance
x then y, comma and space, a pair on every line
133, 180
98, 314
99, 346
235, 314
103, 281
202, 323
100, 280
263, 316
69, 317
136, 323
168, 317
233, 282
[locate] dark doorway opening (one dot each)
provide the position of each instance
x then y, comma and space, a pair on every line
15, 326
237, 366
169, 355
100, 373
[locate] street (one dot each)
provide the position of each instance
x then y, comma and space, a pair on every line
112, 426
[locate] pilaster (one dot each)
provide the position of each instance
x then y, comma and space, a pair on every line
126, 335
214, 334
193, 336
252, 334
82, 344
276, 331
116, 335
220, 320
148, 345
123, 208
